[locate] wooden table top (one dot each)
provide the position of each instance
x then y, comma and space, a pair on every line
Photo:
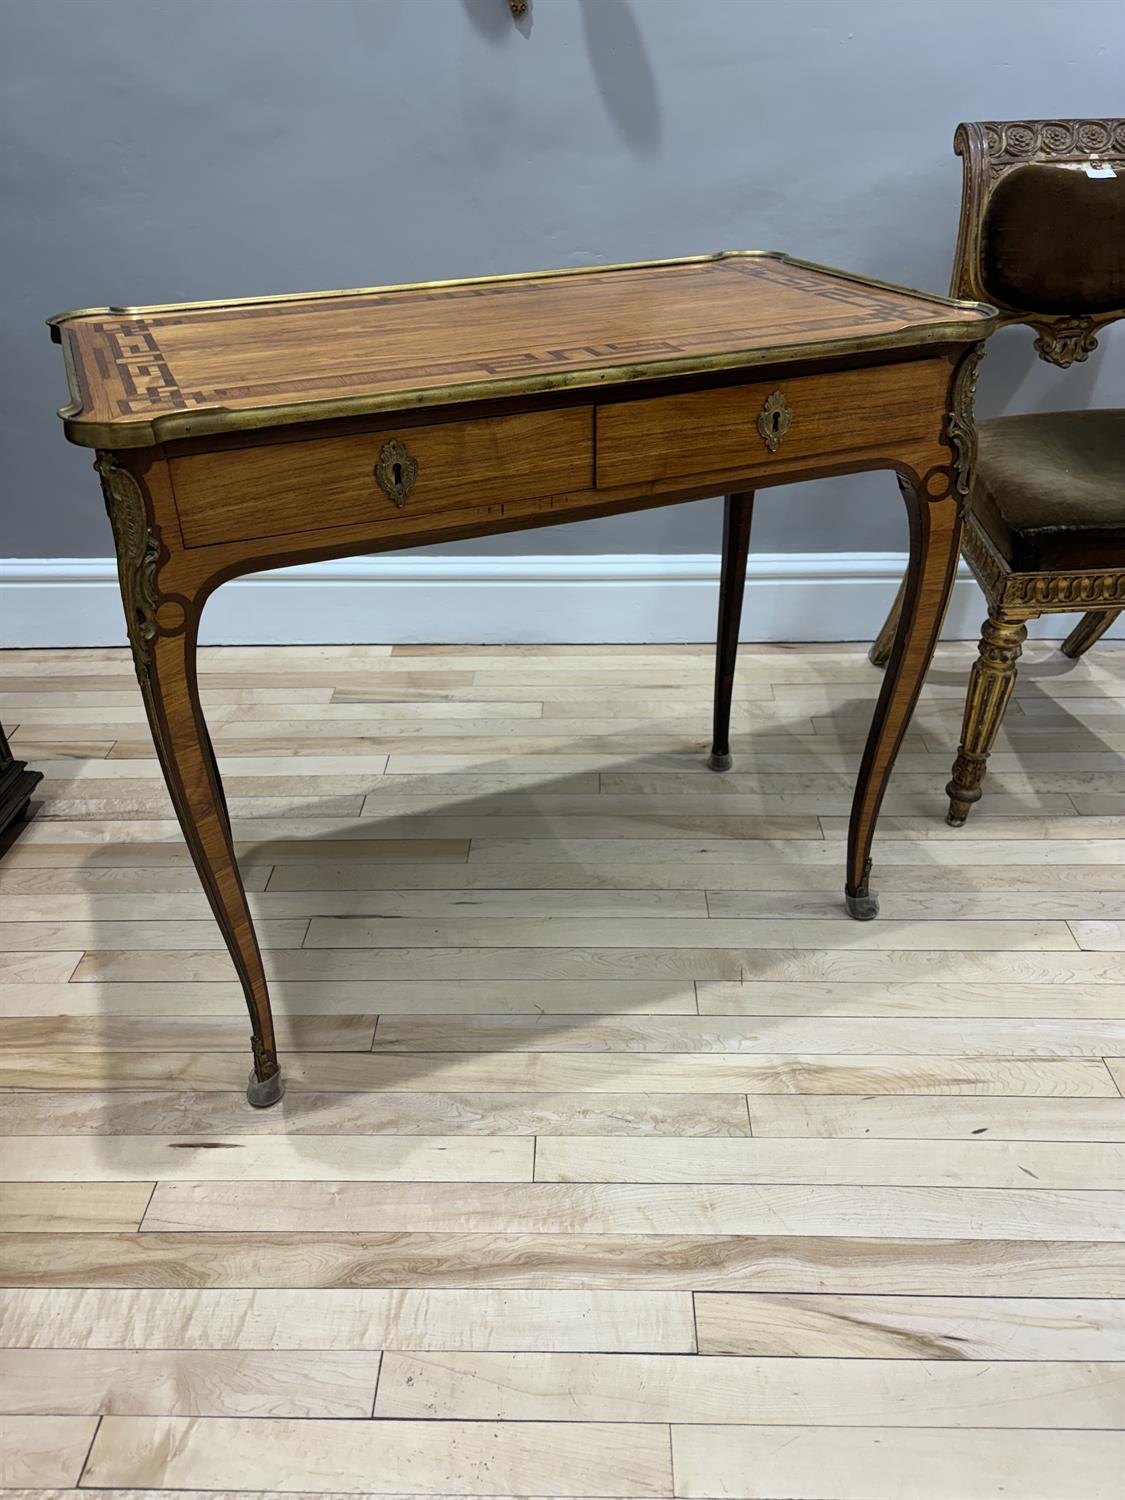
139, 376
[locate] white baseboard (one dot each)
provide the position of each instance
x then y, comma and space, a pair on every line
807, 596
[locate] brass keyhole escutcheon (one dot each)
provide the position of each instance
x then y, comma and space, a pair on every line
396, 471
774, 420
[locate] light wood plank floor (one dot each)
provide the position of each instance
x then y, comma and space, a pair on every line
615, 1160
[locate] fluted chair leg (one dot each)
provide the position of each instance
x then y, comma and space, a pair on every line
990, 687
880, 653
1090, 628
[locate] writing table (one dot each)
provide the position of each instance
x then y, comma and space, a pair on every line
235, 436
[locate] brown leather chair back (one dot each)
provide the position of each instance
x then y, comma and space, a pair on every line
1040, 237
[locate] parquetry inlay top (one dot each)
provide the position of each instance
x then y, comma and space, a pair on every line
394, 347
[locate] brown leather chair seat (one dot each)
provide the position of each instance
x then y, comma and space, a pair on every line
1049, 489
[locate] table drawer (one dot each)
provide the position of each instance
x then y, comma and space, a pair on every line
717, 431
311, 485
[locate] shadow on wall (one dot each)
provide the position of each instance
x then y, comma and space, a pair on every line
622, 73
619, 62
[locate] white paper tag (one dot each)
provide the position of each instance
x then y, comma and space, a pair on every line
1097, 171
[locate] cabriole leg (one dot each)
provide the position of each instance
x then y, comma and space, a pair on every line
990, 687
162, 635
183, 747
935, 535
737, 515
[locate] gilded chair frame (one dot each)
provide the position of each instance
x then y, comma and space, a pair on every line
989, 151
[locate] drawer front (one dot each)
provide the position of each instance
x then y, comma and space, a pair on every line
313, 485
717, 431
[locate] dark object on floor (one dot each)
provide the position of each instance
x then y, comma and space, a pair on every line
16, 785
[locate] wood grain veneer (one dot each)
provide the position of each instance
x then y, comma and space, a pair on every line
274, 488
213, 367
241, 436
704, 432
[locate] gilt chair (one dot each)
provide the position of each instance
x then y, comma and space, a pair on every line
1042, 237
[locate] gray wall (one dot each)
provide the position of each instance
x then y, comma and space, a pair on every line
171, 149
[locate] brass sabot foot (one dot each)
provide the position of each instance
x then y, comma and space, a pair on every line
262, 1092
863, 907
